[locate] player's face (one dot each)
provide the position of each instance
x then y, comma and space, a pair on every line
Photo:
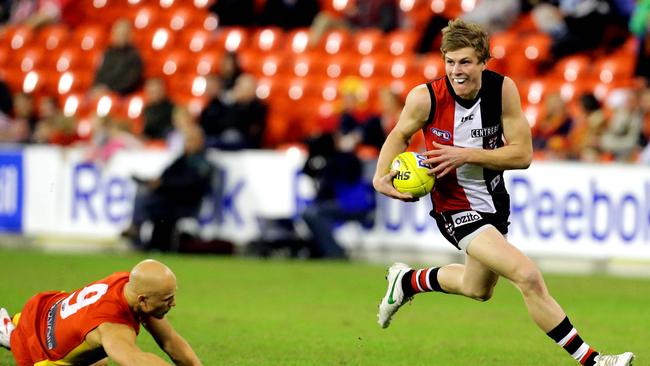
464, 72
158, 305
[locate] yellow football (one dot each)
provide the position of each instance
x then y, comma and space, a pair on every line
412, 174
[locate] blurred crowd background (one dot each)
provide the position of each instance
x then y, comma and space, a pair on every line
264, 74
327, 76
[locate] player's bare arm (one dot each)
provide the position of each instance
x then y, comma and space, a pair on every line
516, 154
412, 119
119, 344
171, 342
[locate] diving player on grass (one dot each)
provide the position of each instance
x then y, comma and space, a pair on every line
474, 129
100, 320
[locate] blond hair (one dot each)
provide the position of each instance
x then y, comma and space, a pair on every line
461, 34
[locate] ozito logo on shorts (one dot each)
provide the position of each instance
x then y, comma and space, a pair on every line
465, 217
442, 134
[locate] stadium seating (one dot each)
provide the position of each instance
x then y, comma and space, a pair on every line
182, 42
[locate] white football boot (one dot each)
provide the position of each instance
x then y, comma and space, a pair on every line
6, 327
394, 297
624, 359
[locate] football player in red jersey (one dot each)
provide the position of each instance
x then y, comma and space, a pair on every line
100, 320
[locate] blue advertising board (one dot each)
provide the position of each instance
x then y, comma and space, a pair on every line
11, 190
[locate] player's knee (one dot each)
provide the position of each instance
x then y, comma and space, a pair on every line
529, 279
481, 294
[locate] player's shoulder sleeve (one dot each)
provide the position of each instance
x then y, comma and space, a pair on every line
113, 307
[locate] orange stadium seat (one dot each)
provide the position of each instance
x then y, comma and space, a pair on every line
297, 41
29, 58
322, 89
145, 16
402, 67
207, 62
400, 42
449, 8
430, 67
183, 17
340, 66
156, 40
370, 66
73, 58
308, 64
184, 88
73, 82
15, 37
232, 39
536, 48
504, 49
335, 42
367, 41
268, 65
614, 68
90, 37
168, 64
573, 68
52, 37
196, 39
5, 56
267, 39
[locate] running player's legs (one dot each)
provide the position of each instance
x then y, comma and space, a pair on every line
492, 249
472, 279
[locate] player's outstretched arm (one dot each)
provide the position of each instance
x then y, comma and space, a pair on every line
119, 344
413, 117
171, 342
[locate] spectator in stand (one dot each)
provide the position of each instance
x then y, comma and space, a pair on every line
234, 12
110, 135
229, 70
382, 14
289, 14
6, 99
353, 114
5, 10
183, 121
574, 25
621, 136
20, 126
639, 27
244, 118
342, 193
38, 13
552, 128
158, 110
584, 137
495, 16
175, 194
54, 127
6, 112
378, 126
121, 69
211, 115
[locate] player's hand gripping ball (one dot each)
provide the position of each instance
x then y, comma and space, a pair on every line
412, 174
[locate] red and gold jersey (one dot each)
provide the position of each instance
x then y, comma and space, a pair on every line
53, 325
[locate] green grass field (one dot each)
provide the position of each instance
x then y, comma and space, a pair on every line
255, 312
